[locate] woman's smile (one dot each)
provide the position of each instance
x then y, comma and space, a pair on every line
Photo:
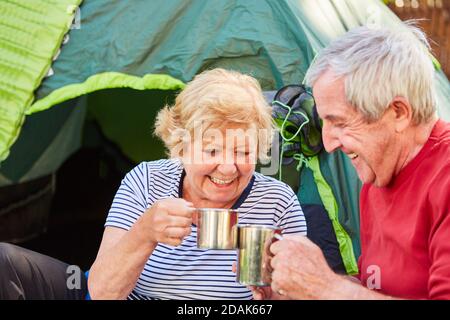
222, 182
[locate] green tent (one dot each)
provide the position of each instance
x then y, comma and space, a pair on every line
121, 61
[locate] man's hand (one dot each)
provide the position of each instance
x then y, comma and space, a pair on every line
300, 270
266, 293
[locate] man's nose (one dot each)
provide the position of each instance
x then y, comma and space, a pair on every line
330, 141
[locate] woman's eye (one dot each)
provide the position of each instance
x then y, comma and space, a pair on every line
211, 152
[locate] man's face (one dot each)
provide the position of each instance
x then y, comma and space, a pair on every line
370, 146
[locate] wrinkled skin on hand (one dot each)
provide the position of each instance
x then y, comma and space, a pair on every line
300, 270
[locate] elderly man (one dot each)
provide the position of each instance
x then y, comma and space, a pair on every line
374, 92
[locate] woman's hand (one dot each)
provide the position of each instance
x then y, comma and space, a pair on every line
168, 221
123, 254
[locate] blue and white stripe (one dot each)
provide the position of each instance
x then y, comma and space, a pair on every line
186, 272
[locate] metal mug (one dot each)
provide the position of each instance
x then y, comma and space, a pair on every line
216, 228
253, 268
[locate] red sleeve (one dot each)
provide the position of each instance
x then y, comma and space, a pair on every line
362, 203
439, 240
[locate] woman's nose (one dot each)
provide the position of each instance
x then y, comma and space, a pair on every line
227, 168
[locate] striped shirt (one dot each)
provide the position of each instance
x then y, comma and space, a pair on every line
184, 271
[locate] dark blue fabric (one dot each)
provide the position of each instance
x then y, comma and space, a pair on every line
321, 232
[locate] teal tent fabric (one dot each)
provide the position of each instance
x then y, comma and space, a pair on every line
181, 38
345, 186
46, 140
134, 137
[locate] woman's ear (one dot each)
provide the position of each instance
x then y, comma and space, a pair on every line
402, 113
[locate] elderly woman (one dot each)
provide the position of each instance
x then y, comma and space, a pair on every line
220, 124
213, 135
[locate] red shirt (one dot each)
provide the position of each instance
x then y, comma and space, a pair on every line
405, 227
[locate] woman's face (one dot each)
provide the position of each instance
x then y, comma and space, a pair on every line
219, 165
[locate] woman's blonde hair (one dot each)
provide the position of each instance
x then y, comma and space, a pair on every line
216, 97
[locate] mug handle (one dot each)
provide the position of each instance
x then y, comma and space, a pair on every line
195, 216
278, 236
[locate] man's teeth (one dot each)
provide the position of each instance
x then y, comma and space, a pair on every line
220, 181
352, 156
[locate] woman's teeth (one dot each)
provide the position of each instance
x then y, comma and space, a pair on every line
220, 181
352, 156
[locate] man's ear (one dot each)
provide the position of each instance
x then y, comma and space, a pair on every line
402, 113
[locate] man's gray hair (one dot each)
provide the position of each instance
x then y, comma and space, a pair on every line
379, 64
